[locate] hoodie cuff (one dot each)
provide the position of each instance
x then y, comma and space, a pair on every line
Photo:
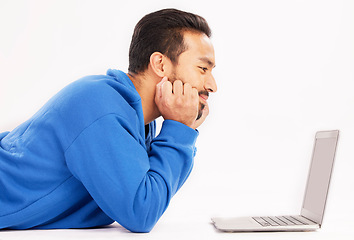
178, 132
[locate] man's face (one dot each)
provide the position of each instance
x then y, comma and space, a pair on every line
195, 66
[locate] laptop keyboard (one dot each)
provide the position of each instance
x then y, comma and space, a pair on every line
280, 221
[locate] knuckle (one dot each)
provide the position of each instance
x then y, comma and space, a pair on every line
167, 103
170, 102
179, 101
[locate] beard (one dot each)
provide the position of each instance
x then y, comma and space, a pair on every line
200, 111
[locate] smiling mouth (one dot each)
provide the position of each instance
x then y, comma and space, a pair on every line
204, 99
204, 95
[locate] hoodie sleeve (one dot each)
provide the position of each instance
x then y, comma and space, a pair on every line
132, 186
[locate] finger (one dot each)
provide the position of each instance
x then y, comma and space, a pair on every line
166, 89
187, 89
178, 87
159, 86
163, 80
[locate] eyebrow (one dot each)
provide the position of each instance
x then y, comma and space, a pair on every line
208, 61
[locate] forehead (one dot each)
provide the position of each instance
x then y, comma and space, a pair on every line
199, 48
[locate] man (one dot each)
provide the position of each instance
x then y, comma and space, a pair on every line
90, 157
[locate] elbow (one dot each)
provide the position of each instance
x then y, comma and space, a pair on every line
146, 208
143, 219
139, 226
140, 229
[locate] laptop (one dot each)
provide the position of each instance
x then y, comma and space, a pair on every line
313, 207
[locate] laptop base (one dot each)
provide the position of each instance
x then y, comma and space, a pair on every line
249, 224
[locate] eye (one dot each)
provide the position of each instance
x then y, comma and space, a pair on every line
204, 69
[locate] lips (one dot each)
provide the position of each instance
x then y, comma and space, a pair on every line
204, 97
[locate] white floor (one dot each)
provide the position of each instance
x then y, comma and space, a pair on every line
178, 229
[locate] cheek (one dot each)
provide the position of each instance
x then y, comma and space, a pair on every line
189, 75
198, 82
194, 78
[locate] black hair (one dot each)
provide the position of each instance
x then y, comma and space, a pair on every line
162, 31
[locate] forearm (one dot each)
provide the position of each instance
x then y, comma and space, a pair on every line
171, 161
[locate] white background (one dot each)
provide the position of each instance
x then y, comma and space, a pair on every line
285, 69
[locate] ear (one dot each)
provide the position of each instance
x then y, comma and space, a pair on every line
159, 64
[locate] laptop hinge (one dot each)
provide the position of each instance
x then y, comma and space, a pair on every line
310, 220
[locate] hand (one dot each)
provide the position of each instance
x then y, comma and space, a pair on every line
178, 102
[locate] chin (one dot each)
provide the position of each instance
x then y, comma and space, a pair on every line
200, 112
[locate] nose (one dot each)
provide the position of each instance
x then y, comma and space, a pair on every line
210, 84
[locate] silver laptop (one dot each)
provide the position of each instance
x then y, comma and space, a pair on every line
313, 206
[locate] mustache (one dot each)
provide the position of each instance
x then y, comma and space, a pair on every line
203, 92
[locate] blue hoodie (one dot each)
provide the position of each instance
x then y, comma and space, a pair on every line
86, 159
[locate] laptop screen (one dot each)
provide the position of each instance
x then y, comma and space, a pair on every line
320, 175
